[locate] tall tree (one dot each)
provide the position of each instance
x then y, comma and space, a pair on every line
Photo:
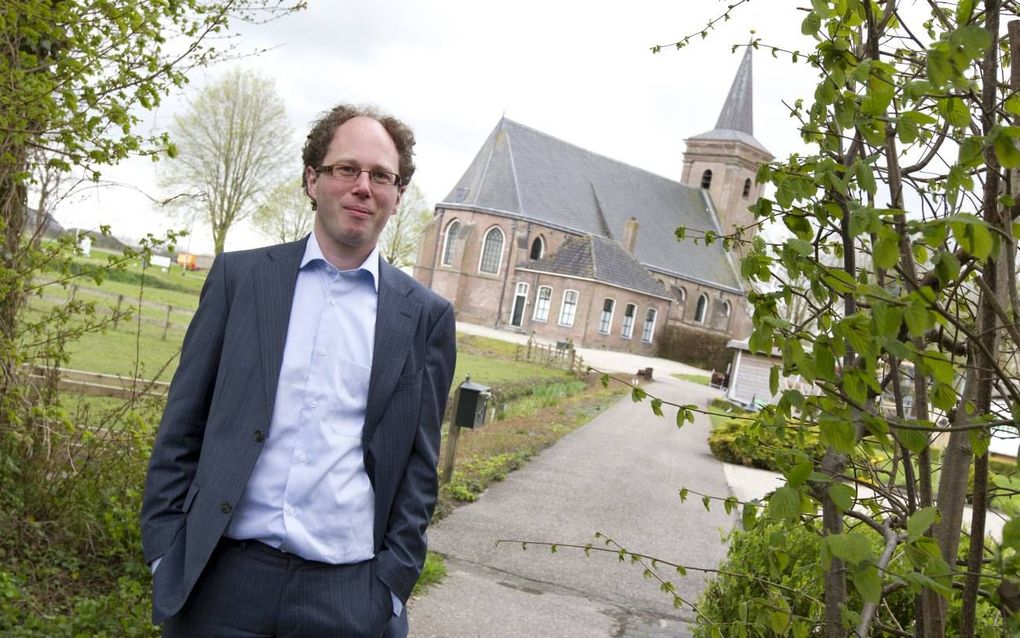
228, 146
286, 214
399, 241
902, 219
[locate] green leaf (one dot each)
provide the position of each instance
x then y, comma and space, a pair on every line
779, 614
657, 407
973, 235
799, 473
955, 111
707, 502
851, 548
637, 394
1011, 534
838, 434
868, 582
886, 250
785, 504
920, 521
938, 66
774, 380
887, 319
842, 496
748, 517
1007, 152
917, 316
811, 24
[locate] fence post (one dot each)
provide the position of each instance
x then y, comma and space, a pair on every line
452, 434
166, 326
116, 313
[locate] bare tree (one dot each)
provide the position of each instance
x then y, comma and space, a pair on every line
286, 215
399, 242
228, 150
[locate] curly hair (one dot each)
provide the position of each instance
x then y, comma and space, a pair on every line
323, 129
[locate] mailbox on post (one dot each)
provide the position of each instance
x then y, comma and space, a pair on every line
472, 401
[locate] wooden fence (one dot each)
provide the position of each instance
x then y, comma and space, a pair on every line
169, 316
560, 355
100, 384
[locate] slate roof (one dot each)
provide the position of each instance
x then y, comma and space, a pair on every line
736, 120
601, 259
527, 174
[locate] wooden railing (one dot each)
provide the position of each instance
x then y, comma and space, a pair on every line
100, 384
560, 355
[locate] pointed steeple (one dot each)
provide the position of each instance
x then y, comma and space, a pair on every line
737, 112
736, 121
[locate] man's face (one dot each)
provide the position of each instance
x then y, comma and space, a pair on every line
350, 215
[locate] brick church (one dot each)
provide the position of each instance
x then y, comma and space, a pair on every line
544, 237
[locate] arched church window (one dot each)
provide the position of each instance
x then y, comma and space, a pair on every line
448, 242
492, 251
747, 187
537, 248
706, 179
701, 310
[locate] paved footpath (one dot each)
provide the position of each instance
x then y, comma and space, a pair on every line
619, 475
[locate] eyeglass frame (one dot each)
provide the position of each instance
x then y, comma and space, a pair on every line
330, 169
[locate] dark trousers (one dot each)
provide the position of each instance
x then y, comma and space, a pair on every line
250, 590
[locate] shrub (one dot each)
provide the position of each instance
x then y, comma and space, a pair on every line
740, 441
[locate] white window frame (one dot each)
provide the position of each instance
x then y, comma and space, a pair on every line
448, 239
542, 305
563, 308
648, 331
499, 258
627, 329
606, 326
701, 311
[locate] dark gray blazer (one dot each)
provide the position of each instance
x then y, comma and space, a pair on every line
221, 401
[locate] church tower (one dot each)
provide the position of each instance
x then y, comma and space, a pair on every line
724, 160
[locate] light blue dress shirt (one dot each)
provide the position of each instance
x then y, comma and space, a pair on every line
309, 493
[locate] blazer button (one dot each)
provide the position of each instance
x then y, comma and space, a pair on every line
260, 436
225, 507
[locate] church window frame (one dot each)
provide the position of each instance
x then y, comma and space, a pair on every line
606, 316
449, 245
491, 258
627, 327
701, 311
648, 331
568, 308
747, 188
706, 179
543, 299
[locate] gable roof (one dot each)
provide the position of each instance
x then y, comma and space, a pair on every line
524, 173
601, 259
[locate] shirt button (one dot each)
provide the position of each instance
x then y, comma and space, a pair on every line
303, 458
332, 302
322, 353
289, 511
314, 404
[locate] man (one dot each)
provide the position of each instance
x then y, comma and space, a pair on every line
294, 471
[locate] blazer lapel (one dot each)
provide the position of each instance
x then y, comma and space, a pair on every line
395, 323
277, 276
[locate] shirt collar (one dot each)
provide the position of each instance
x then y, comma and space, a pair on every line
371, 264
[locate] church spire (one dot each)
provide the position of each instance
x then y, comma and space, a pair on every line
737, 112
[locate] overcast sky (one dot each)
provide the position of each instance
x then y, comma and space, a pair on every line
579, 70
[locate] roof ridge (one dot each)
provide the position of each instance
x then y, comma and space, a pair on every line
595, 153
594, 262
737, 113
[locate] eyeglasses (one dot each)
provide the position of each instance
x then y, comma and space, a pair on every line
349, 173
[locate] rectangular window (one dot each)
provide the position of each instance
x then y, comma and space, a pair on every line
569, 308
649, 329
542, 303
606, 319
628, 321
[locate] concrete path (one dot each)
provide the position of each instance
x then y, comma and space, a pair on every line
618, 475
